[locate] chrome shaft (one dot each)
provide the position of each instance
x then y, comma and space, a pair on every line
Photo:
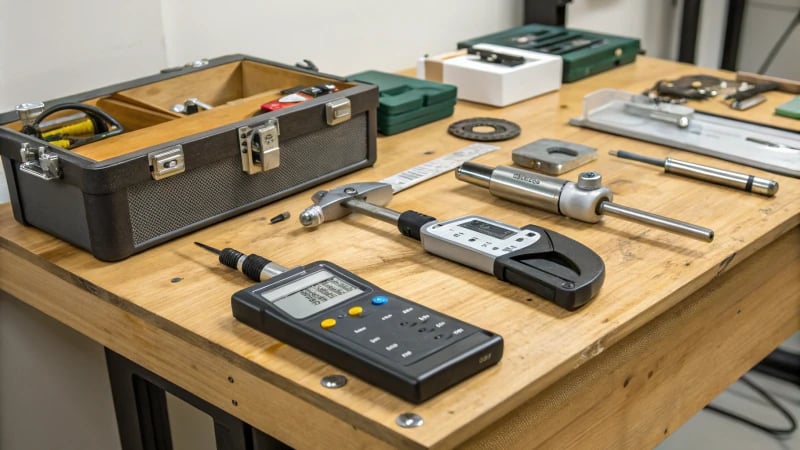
675, 226
374, 211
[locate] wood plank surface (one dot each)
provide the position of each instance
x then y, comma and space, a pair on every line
650, 273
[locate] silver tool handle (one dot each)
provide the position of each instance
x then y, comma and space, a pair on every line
737, 180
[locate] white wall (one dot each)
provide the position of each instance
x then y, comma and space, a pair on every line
51, 48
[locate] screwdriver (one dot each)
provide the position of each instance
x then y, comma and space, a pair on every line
587, 200
723, 177
256, 267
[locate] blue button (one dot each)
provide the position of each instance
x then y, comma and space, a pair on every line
379, 300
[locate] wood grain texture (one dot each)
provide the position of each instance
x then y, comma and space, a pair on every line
649, 272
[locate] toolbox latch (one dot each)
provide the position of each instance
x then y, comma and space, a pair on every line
39, 163
260, 147
338, 111
166, 163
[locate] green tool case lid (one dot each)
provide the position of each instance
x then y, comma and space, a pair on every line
400, 94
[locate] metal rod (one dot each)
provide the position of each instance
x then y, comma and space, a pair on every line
743, 181
374, 211
637, 157
655, 220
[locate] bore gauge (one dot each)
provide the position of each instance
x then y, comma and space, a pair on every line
587, 200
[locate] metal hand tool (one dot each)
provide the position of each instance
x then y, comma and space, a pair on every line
587, 200
541, 261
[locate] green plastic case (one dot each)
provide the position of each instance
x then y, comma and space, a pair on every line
585, 53
406, 102
790, 108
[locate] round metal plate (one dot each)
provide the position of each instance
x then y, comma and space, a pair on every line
500, 129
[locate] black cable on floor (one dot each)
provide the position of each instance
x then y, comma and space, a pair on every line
773, 431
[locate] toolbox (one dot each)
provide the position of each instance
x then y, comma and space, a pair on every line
407, 102
585, 53
178, 167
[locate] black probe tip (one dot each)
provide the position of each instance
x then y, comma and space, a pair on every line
207, 247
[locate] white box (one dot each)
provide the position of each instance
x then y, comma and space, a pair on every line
492, 83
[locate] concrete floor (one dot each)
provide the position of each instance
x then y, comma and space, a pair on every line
709, 430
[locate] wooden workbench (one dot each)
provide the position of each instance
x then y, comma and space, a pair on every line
675, 323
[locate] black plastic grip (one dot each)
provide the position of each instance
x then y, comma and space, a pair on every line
251, 266
410, 222
556, 268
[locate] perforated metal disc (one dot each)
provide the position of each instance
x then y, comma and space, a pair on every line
500, 129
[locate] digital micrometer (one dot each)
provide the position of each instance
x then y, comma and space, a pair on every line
541, 261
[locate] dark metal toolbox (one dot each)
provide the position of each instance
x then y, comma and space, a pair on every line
169, 173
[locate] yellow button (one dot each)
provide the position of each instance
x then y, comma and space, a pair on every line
355, 311
328, 323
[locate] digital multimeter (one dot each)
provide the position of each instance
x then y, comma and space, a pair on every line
403, 347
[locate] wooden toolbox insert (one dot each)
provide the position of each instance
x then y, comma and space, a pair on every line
236, 91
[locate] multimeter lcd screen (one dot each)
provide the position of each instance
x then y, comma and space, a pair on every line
487, 229
311, 294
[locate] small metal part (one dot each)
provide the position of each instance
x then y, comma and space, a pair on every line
165, 163
333, 381
409, 420
338, 111
553, 156
499, 129
496, 57
280, 217
260, 147
199, 103
28, 112
39, 163
590, 181
330, 205
679, 115
190, 106
748, 103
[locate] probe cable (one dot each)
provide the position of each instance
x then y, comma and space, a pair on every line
773, 431
103, 125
